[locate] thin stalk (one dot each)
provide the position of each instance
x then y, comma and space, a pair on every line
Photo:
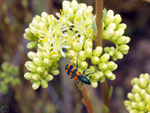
86, 101
98, 42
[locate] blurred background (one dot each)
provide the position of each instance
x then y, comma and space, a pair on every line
62, 95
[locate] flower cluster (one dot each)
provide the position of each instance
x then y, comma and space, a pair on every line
113, 31
74, 31
8, 76
139, 97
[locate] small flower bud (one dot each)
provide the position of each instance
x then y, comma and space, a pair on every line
121, 40
109, 20
48, 62
102, 79
96, 76
88, 44
36, 76
37, 61
90, 8
136, 88
77, 46
82, 55
94, 84
54, 71
104, 58
98, 51
109, 75
28, 76
92, 68
94, 60
141, 106
122, 25
131, 96
84, 65
143, 93
115, 36
142, 84
31, 45
82, 6
148, 89
117, 19
55, 55
40, 70
39, 54
44, 83
74, 5
123, 48
72, 53
147, 98
49, 77
88, 52
137, 97
102, 66
31, 55
134, 104
70, 13
112, 65
111, 26
135, 81
30, 66
66, 5
121, 31
36, 85
107, 34
118, 54
110, 13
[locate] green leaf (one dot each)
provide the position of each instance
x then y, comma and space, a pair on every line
94, 28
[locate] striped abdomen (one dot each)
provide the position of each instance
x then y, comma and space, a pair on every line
72, 71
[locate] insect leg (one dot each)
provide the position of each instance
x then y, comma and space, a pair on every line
89, 74
77, 61
84, 71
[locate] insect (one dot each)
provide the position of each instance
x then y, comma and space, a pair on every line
76, 74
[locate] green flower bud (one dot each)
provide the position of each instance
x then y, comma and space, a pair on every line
30, 66
49, 77
54, 71
39, 54
148, 89
94, 84
121, 31
107, 34
112, 65
109, 75
143, 93
96, 76
66, 5
102, 66
111, 26
36, 85
121, 40
109, 20
88, 52
102, 79
141, 106
98, 51
123, 48
70, 13
77, 46
118, 54
92, 68
74, 5
31, 45
48, 62
122, 25
72, 53
127, 103
115, 36
36, 76
136, 88
44, 83
137, 97
40, 70
84, 65
37, 61
82, 55
55, 55
142, 84
110, 13
104, 58
28, 76
88, 44
107, 49
146, 77
131, 96
117, 19
135, 81
31, 55
147, 98
5, 66
94, 60
134, 104
54, 65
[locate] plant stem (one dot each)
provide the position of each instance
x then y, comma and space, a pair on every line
98, 42
86, 101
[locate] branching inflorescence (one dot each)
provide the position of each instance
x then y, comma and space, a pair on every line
74, 31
